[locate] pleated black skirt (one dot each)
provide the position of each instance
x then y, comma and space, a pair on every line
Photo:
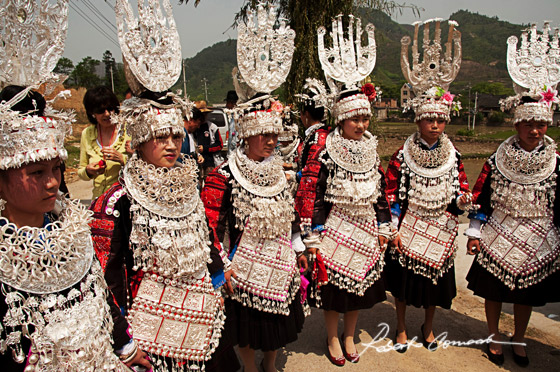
262, 330
336, 299
418, 290
486, 285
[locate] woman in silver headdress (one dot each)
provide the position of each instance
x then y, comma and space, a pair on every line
153, 241
56, 312
427, 189
250, 194
515, 234
150, 231
351, 224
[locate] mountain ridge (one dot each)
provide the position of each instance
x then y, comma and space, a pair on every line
483, 47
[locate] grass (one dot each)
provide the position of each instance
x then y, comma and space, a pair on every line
73, 155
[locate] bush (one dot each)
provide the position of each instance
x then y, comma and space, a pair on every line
496, 118
466, 132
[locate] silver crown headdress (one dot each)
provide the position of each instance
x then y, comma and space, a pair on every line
348, 62
264, 58
33, 37
318, 95
152, 54
535, 71
431, 78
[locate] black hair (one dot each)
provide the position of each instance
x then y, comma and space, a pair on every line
317, 113
259, 105
348, 93
196, 114
100, 98
528, 99
158, 97
33, 103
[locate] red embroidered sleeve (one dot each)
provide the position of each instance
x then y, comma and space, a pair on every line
464, 183
212, 196
102, 226
393, 176
307, 189
486, 169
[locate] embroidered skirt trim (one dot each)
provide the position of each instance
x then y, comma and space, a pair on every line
519, 251
429, 245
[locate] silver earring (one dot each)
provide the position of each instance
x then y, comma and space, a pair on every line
2, 205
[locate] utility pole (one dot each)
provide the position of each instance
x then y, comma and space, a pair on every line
469, 122
204, 80
475, 111
184, 81
112, 81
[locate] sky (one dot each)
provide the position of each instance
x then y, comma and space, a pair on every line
210, 22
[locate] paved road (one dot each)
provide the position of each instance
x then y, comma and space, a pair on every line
465, 321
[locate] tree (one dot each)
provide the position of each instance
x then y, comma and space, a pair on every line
84, 74
110, 70
65, 66
304, 17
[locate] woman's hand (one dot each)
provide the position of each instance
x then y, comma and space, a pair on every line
383, 241
129, 150
302, 262
95, 169
397, 243
473, 246
110, 153
140, 359
229, 285
200, 159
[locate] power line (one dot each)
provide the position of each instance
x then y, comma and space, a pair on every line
100, 15
82, 14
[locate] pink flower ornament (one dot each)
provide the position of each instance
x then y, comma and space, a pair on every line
277, 106
448, 97
549, 96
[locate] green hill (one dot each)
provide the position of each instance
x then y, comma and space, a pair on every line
483, 44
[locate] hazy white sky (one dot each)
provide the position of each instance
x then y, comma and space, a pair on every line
210, 22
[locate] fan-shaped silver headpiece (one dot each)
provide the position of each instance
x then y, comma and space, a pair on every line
33, 35
150, 43
537, 61
264, 54
435, 69
264, 58
534, 68
347, 61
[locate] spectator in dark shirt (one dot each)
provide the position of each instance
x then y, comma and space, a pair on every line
208, 139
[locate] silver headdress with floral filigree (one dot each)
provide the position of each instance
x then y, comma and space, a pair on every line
535, 71
316, 95
264, 58
152, 54
431, 78
150, 44
33, 36
348, 62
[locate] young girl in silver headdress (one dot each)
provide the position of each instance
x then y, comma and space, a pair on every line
515, 233
351, 224
56, 312
428, 189
153, 241
250, 194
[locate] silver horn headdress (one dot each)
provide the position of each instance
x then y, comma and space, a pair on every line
348, 62
534, 68
430, 78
